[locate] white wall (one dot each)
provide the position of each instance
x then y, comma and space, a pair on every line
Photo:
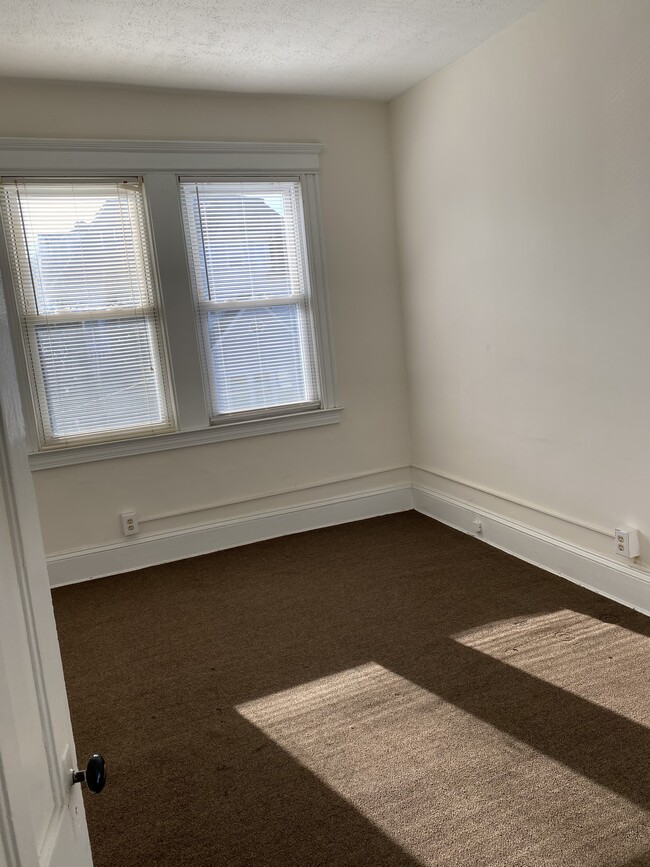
523, 199
80, 505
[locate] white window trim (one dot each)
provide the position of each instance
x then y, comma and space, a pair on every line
160, 163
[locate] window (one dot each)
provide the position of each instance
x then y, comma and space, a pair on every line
247, 255
81, 269
178, 303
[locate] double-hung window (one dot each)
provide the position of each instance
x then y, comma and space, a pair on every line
87, 305
251, 284
179, 302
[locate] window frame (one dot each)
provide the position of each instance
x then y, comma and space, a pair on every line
161, 165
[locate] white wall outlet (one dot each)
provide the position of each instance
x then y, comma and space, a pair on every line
477, 524
627, 543
130, 524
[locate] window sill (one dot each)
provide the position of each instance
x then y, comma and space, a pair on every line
181, 439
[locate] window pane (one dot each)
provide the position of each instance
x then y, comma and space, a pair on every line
82, 246
257, 358
244, 239
99, 376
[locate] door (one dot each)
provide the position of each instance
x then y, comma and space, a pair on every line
42, 821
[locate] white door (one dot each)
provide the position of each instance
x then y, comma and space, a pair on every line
42, 821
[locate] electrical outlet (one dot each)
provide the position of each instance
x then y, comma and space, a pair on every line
130, 524
627, 543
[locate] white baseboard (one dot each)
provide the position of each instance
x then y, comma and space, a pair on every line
83, 564
615, 580
612, 579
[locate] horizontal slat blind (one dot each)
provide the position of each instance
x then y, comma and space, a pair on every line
248, 259
80, 257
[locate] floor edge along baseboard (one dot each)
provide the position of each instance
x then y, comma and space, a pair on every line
616, 581
139, 552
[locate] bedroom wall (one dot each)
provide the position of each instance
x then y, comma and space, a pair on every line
522, 178
80, 505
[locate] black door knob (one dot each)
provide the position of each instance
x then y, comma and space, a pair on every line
94, 776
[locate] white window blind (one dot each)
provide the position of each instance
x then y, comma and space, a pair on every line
81, 265
248, 262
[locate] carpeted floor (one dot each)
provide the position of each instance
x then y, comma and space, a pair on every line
390, 692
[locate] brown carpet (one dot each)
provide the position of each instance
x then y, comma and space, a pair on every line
390, 692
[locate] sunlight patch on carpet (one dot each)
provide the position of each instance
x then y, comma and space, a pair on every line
435, 778
599, 661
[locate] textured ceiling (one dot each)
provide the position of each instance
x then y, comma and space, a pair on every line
368, 48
